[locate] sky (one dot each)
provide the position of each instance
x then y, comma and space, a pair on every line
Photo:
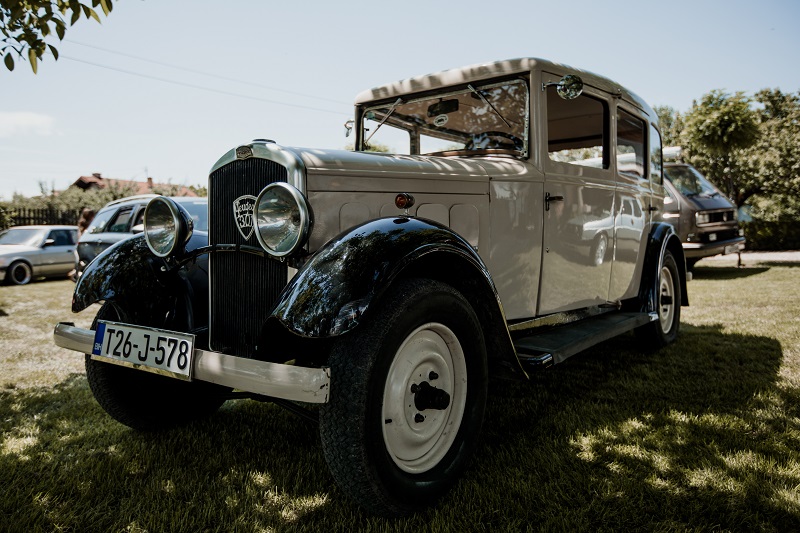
164, 88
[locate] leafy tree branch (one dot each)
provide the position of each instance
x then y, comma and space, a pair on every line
26, 24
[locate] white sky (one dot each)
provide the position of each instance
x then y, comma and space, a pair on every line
75, 118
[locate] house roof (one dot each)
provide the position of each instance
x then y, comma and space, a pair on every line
95, 180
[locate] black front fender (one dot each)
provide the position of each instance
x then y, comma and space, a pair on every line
331, 293
142, 285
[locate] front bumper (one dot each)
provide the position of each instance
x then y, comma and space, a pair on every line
696, 250
301, 384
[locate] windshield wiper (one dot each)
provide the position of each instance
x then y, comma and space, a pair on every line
487, 102
385, 118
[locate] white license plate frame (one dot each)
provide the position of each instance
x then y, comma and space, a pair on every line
160, 351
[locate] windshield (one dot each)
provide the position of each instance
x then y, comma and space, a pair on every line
689, 181
479, 119
23, 236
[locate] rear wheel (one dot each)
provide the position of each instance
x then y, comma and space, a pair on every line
146, 401
668, 306
408, 394
19, 273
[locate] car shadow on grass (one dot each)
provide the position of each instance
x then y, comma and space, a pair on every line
726, 273
699, 435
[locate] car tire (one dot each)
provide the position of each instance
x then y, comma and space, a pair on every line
599, 249
19, 273
408, 395
146, 401
668, 296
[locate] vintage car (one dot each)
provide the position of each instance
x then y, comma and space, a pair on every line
704, 218
389, 287
28, 252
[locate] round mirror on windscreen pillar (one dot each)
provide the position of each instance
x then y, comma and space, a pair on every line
570, 87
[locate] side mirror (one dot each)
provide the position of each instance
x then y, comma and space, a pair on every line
569, 88
48, 242
348, 127
138, 228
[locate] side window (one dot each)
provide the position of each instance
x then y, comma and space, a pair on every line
61, 237
121, 221
576, 130
100, 221
656, 159
630, 145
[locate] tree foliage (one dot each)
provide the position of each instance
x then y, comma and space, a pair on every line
26, 24
746, 146
671, 124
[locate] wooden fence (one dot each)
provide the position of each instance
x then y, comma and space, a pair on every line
44, 215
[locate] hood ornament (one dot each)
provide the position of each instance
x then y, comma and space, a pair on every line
243, 214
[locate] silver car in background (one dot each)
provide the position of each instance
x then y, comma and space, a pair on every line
28, 252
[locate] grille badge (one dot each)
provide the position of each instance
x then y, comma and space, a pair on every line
243, 213
243, 152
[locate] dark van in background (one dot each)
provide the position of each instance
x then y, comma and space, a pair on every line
703, 217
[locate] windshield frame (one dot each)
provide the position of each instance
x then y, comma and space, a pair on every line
466, 88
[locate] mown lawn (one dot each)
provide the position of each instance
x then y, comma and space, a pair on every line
701, 436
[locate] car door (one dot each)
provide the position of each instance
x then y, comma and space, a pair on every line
579, 200
57, 255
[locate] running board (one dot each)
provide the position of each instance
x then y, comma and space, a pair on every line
555, 345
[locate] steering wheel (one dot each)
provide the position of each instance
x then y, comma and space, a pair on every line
481, 140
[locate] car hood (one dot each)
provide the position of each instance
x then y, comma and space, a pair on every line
710, 203
16, 249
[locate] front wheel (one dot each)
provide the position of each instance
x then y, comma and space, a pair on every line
19, 273
408, 394
146, 401
664, 330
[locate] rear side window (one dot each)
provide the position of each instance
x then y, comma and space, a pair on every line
656, 158
576, 130
630, 145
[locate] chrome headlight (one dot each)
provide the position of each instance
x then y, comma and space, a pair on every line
702, 218
283, 219
167, 226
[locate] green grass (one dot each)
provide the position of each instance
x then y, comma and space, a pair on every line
701, 436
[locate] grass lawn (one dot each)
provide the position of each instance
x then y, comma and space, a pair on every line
701, 436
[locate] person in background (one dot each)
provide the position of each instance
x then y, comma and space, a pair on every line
87, 215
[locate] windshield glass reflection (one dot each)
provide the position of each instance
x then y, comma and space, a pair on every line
477, 119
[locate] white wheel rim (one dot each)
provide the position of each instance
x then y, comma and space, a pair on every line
666, 300
417, 445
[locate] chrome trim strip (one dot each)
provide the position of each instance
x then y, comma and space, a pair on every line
296, 383
295, 168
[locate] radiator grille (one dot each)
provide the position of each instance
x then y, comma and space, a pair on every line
243, 287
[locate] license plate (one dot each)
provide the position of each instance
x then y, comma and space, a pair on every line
712, 237
156, 350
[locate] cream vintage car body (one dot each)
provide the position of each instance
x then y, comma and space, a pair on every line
388, 287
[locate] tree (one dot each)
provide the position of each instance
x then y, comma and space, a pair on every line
716, 132
25, 24
670, 122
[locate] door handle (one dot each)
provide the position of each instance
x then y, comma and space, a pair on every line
551, 198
